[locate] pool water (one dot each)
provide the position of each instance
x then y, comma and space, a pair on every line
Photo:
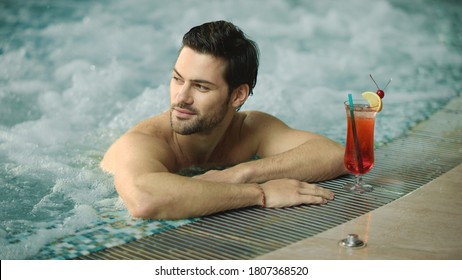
76, 74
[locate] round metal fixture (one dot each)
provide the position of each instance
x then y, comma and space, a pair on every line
352, 241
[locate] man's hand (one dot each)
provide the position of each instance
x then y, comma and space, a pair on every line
288, 192
280, 192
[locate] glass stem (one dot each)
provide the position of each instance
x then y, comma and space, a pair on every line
358, 180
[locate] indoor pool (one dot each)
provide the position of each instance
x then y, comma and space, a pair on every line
76, 74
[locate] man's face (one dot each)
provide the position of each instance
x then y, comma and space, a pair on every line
199, 96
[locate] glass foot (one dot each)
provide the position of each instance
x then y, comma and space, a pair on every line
353, 187
358, 185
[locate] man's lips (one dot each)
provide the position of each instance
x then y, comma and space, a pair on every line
183, 113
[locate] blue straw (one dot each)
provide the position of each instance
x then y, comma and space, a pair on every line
355, 135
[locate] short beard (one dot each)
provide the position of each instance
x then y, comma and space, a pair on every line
201, 123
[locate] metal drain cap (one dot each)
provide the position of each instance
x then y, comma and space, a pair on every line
352, 241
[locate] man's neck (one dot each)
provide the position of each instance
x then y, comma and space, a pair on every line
198, 148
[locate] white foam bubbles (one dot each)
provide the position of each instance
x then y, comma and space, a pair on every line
76, 77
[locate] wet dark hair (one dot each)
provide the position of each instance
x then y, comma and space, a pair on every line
225, 40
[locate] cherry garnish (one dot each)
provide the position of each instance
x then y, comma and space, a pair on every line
380, 92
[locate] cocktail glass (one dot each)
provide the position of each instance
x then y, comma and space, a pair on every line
359, 150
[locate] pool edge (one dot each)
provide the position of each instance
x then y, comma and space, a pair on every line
424, 224
175, 244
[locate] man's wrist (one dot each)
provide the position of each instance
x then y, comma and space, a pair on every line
263, 195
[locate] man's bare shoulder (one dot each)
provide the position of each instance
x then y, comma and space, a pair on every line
272, 135
256, 120
145, 141
252, 127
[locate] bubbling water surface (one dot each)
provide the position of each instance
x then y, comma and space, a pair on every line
76, 74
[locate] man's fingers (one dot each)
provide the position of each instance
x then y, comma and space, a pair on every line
313, 190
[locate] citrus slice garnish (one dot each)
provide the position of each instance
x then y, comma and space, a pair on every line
374, 100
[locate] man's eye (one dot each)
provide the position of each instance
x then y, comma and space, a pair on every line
201, 87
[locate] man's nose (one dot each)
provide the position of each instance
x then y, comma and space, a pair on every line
185, 94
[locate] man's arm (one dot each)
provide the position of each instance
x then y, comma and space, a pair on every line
285, 153
139, 164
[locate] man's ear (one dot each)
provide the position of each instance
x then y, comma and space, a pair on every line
240, 95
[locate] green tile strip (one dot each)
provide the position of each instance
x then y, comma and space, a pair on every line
114, 228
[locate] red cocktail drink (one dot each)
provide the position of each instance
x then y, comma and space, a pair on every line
359, 150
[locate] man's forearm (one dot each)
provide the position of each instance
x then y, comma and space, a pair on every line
313, 161
169, 196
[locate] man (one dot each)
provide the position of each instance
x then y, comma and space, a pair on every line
215, 72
